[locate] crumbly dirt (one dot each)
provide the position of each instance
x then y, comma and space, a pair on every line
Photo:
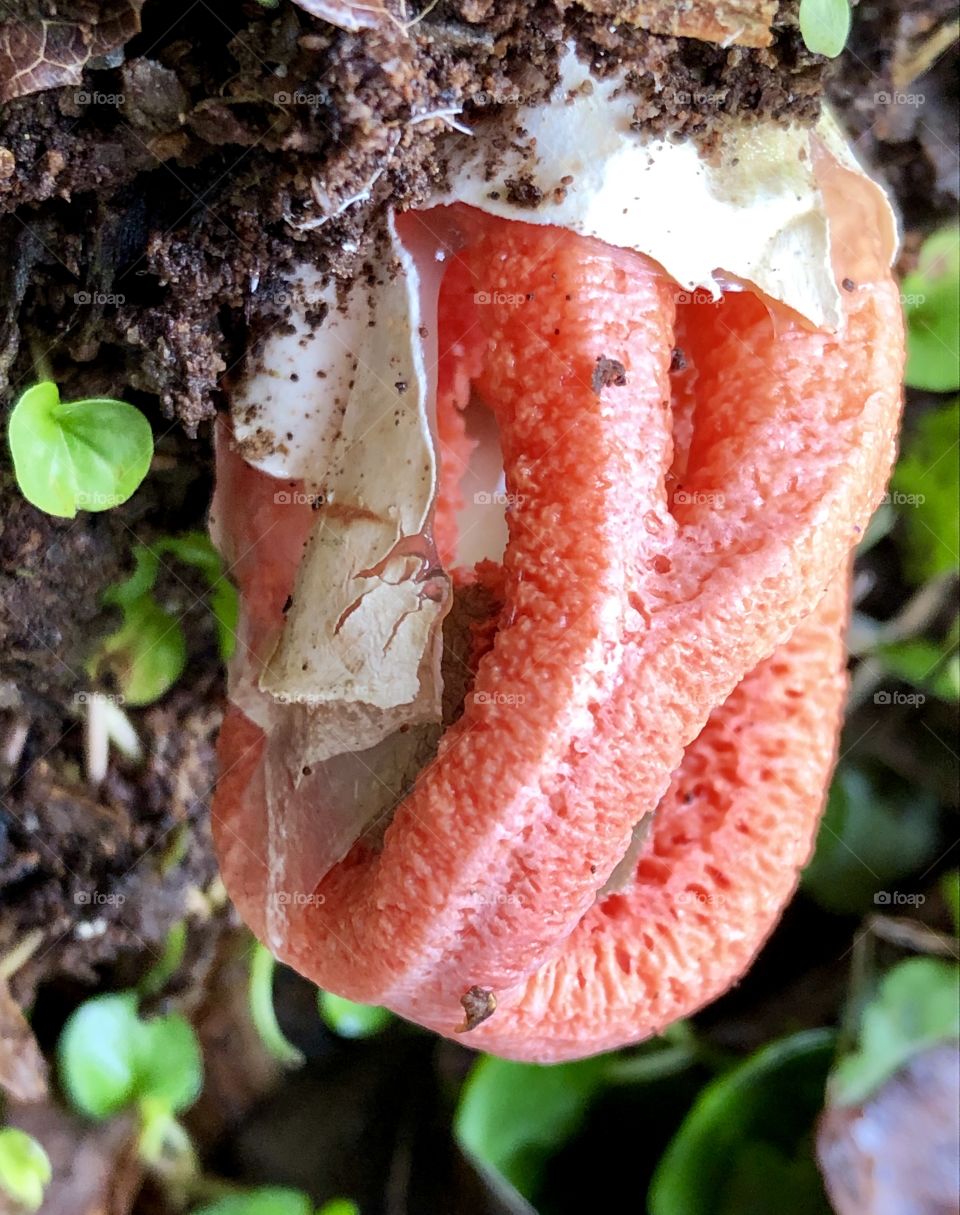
150, 208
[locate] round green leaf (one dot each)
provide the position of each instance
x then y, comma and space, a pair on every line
351, 1020
270, 1200
80, 455
825, 26
169, 1062
99, 1053
746, 1146
24, 1168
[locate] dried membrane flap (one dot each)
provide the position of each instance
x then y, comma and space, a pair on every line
751, 211
347, 14
729, 22
361, 644
44, 53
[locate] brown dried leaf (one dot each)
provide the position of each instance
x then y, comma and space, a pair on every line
46, 54
23, 1071
729, 22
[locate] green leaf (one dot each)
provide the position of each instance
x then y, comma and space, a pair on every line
169, 1063
99, 1054
825, 26
351, 1020
931, 296
196, 549
270, 1200
513, 1116
928, 477
748, 1137
169, 962
872, 834
339, 1206
110, 1057
80, 455
24, 1168
262, 1010
146, 655
917, 1005
924, 664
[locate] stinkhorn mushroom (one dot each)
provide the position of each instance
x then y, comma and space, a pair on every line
543, 540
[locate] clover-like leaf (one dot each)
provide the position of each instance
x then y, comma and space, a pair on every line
24, 1168
77, 455
825, 26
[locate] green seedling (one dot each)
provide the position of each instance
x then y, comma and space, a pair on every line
148, 653
262, 1011
825, 26
24, 1169
111, 1059
77, 455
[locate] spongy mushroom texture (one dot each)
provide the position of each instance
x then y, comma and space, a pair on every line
729, 839
498, 852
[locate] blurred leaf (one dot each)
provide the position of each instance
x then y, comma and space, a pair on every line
170, 1065
169, 962
146, 655
24, 1168
196, 549
270, 1200
339, 1206
109, 1057
98, 1054
870, 836
917, 1005
924, 664
746, 1146
825, 26
351, 1020
928, 476
513, 1116
950, 889
931, 297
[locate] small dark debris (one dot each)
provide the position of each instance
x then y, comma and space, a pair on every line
678, 360
478, 1003
608, 373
